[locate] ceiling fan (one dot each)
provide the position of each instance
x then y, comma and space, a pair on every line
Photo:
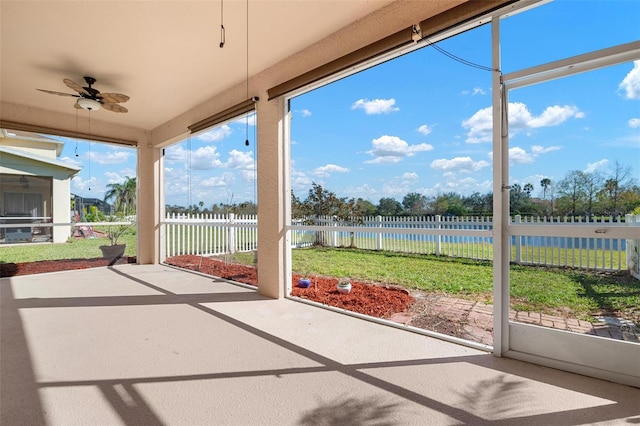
91, 99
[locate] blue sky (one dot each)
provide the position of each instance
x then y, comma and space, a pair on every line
422, 122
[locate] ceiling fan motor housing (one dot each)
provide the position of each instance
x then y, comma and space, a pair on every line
89, 104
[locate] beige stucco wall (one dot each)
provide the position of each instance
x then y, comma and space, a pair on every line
272, 193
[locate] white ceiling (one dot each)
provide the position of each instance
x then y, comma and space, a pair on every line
164, 54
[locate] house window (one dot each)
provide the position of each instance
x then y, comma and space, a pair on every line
25, 195
25, 199
24, 204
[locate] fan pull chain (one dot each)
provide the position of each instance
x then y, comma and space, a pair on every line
222, 34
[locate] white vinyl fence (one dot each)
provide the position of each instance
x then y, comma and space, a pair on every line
209, 234
534, 241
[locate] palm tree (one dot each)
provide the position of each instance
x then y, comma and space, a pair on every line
124, 196
528, 188
545, 183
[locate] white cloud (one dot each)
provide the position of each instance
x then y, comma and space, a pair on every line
475, 91
537, 149
71, 160
218, 181
216, 134
410, 176
630, 85
114, 177
80, 185
243, 162
554, 115
598, 165
634, 123
425, 130
299, 182
364, 191
480, 124
459, 164
175, 153
240, 160
305, 113
325, 171
376, 106
392, 149
205, 158
114, 157
518, 155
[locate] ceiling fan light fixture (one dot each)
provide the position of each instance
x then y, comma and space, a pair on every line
89, 104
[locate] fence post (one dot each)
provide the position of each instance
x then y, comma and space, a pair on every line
518, 242
438, 237
231, 235
633, 247
379, 239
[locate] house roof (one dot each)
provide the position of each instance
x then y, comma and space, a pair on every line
34, 137
41, 159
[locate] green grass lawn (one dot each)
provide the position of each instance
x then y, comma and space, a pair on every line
73, 249
583, 294
579, 293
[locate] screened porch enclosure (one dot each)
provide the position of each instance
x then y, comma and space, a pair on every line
25, 200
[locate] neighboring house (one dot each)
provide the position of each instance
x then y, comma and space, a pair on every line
34, 188
82, 205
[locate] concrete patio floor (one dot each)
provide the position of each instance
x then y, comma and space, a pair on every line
152, 345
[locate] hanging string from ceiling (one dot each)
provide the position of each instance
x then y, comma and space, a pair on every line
90, 143
255, 163
222, 34
76, 132
246, 141
189, 174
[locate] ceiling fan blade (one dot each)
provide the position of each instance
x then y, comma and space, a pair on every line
114, 107
75, 86
113, 98
51, 92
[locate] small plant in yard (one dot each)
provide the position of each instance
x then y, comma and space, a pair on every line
114, 232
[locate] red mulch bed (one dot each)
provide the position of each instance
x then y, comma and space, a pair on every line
365, 298
369, 299
29, 268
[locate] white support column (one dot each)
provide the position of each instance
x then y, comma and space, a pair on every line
273, 196
149, 209
60, 209
501, 250
163, 232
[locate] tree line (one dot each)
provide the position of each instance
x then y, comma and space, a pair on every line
579, 193
243, 208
